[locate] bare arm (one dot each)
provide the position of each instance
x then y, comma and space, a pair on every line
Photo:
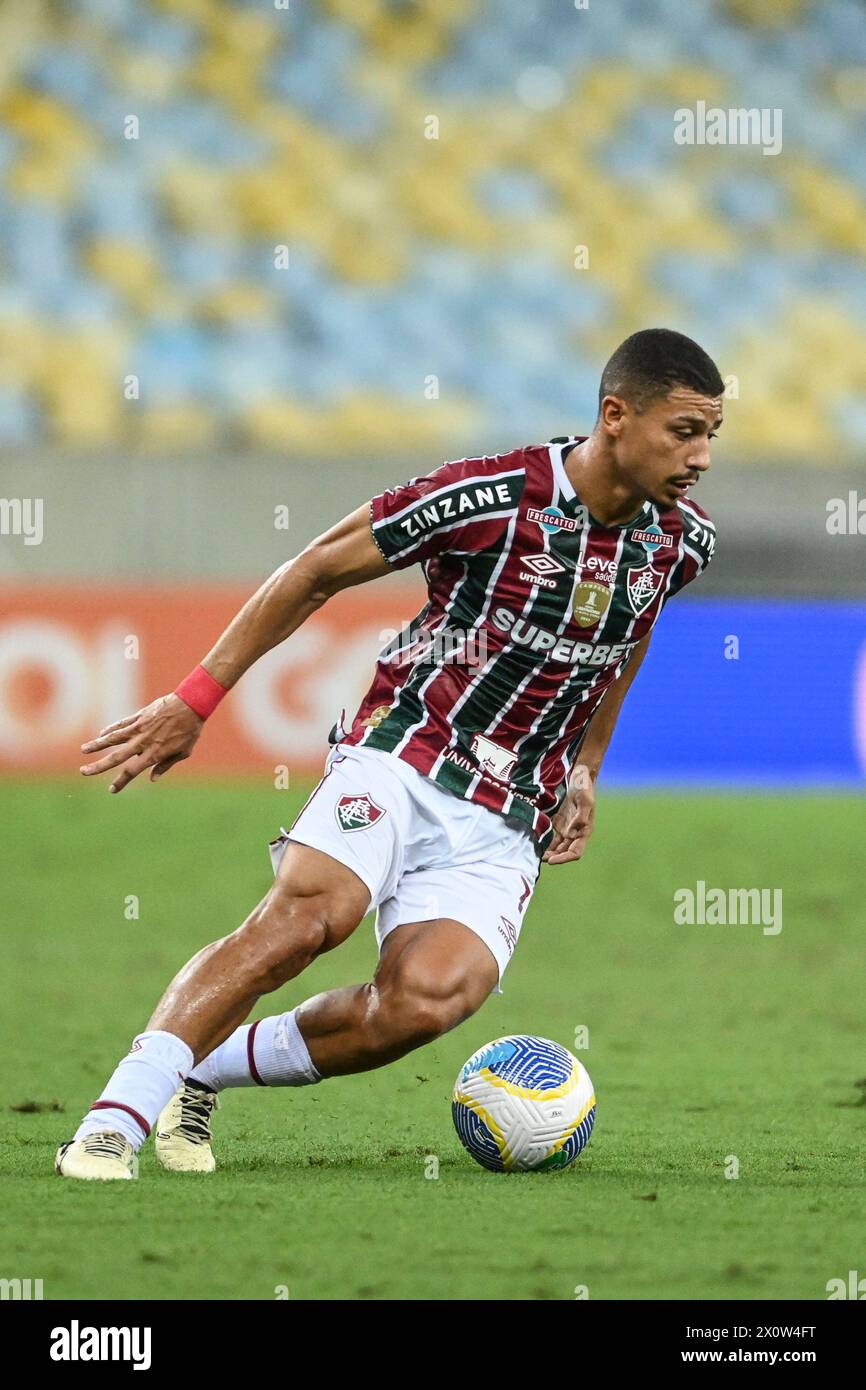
575, 818
343, 556
603, 722
166, 731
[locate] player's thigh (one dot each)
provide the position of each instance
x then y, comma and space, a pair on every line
344, 849
488, 899
311, 884
436, 964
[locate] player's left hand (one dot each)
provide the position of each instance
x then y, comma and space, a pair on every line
574, 821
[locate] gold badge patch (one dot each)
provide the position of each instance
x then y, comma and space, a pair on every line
375, 719
590, 602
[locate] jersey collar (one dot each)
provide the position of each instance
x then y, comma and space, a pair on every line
557, 449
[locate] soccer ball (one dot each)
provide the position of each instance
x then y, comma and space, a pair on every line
522, 1103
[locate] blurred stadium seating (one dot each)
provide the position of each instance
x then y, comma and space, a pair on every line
307, 128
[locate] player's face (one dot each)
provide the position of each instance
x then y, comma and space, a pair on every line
663, 450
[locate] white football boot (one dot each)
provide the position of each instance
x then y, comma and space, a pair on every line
183, 1133
102, 1157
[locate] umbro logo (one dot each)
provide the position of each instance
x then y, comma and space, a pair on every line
542, 566
508, 930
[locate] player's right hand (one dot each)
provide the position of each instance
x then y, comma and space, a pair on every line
157, 737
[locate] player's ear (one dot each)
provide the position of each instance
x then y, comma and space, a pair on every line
613, 413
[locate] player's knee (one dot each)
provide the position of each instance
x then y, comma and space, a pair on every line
285, 933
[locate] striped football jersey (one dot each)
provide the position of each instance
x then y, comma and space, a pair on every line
533, 609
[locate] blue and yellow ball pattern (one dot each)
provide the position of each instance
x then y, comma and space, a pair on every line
523, 1103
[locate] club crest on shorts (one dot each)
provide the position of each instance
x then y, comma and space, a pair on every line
357, 812
589, 602
642, 587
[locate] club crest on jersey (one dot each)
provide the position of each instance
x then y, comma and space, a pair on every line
642, 586
590, 601
551, 519
357, 812
499, 762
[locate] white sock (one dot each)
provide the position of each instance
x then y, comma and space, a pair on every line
271, 1052
141, 1085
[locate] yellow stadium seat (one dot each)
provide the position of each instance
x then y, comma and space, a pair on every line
437, 199
182, 426
198, 198
687, 84
283, 425
55, 142
238, 302
412, 38
364, 254
364, 14
848, 86
833, 208
269, 201
144, 75
376, 423
46, 175
383, 425
22, 349
80, 383
766, 13
129, 268
46, 121
203, 12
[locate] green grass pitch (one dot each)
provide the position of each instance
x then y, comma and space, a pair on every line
704, 1042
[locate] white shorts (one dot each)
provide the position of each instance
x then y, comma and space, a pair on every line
422, 852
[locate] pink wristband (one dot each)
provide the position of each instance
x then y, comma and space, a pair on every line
201, 692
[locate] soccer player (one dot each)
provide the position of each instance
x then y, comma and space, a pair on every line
471, 760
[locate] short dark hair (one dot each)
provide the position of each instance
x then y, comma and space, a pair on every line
652, 362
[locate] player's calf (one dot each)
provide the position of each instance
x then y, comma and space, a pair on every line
431, 977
